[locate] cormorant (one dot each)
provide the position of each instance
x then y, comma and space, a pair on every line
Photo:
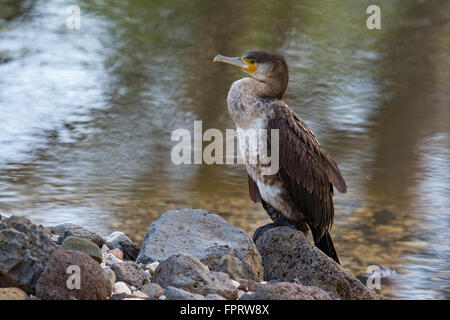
301, 192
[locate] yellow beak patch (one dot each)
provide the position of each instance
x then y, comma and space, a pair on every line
251, 67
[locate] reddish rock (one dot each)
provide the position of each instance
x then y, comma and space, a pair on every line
117, 253
55, 279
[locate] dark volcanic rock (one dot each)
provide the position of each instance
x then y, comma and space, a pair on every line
205, 235
188, 273
130, 272
53, 283
72, 230
24, 251
286, 291
287, 254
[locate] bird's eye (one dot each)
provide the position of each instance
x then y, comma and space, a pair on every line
251, 61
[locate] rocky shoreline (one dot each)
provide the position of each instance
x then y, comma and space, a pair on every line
186, 255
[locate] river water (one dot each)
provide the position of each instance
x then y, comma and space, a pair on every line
86, 117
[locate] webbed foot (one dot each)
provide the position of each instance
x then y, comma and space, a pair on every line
279, 222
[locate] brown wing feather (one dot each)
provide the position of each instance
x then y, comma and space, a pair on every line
335, 176
253, 190
304, 169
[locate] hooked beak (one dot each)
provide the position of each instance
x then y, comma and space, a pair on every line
233, 61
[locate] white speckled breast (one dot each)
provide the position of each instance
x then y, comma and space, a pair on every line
250, 111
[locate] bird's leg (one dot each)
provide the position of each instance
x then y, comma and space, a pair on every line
278, 221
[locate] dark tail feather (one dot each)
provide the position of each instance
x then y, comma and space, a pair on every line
326, 245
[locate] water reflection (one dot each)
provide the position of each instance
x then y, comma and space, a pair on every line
86, 117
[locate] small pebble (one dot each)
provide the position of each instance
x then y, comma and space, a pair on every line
110, 274
105, 249
152, 266
139, 294
111, 259
117, 253
241, 293
12, 294
121, 287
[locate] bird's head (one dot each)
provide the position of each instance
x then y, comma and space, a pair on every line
269, 68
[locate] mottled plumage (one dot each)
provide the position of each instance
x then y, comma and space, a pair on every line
301, 192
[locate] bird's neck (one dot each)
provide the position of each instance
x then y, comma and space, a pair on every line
247, 102
275, 88
267, 88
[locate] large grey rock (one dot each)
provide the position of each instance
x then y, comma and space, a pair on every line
287, 254
188, 273
286, 291
53, 283
205, 235
72, 230
119, 240
25, 249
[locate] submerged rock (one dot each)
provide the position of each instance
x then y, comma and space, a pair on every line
286, 291
25, 249
72, 230
205, 235
287, 254
83, 245
58, 281
188, 273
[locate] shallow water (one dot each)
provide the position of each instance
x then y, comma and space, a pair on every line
87, 115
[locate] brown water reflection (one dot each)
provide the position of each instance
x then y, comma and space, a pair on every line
87, 115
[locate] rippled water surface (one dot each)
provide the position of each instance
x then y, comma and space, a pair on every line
86, 117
